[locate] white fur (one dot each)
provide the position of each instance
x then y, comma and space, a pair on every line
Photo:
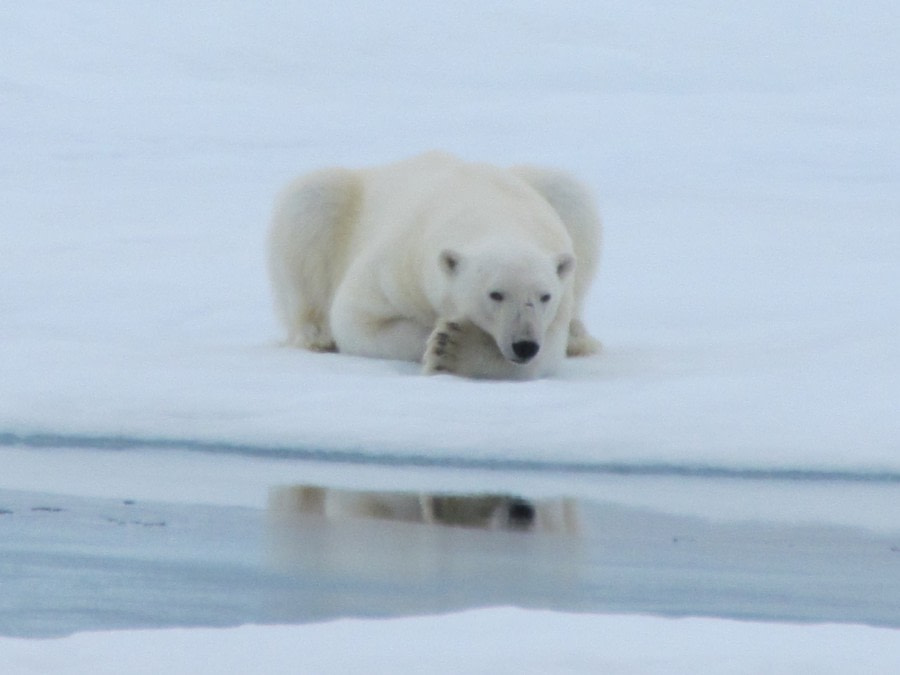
479, 511
465, 267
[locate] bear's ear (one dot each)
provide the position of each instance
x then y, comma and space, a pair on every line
450, 262
565, 264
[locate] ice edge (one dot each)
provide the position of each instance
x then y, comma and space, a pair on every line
350, 456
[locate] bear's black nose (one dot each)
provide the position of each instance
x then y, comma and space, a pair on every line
525, 349
521, 514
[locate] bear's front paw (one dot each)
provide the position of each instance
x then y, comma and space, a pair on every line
441, 348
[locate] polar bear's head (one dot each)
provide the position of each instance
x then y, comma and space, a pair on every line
514, 297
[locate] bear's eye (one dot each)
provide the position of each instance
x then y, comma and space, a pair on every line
545, 297
496, 296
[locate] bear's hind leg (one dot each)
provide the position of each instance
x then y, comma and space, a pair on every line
309, 231
312, 333
580, 342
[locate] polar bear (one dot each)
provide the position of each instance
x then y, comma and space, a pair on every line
476, 511
468, 268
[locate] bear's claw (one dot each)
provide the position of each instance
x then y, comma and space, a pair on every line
440, 351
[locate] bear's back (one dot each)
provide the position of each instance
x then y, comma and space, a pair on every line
439, 196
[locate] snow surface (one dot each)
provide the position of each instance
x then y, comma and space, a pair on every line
744, 158
498, 640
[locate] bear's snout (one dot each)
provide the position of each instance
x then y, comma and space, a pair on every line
525, 350
521, 514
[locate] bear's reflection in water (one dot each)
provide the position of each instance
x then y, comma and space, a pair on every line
471, 547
